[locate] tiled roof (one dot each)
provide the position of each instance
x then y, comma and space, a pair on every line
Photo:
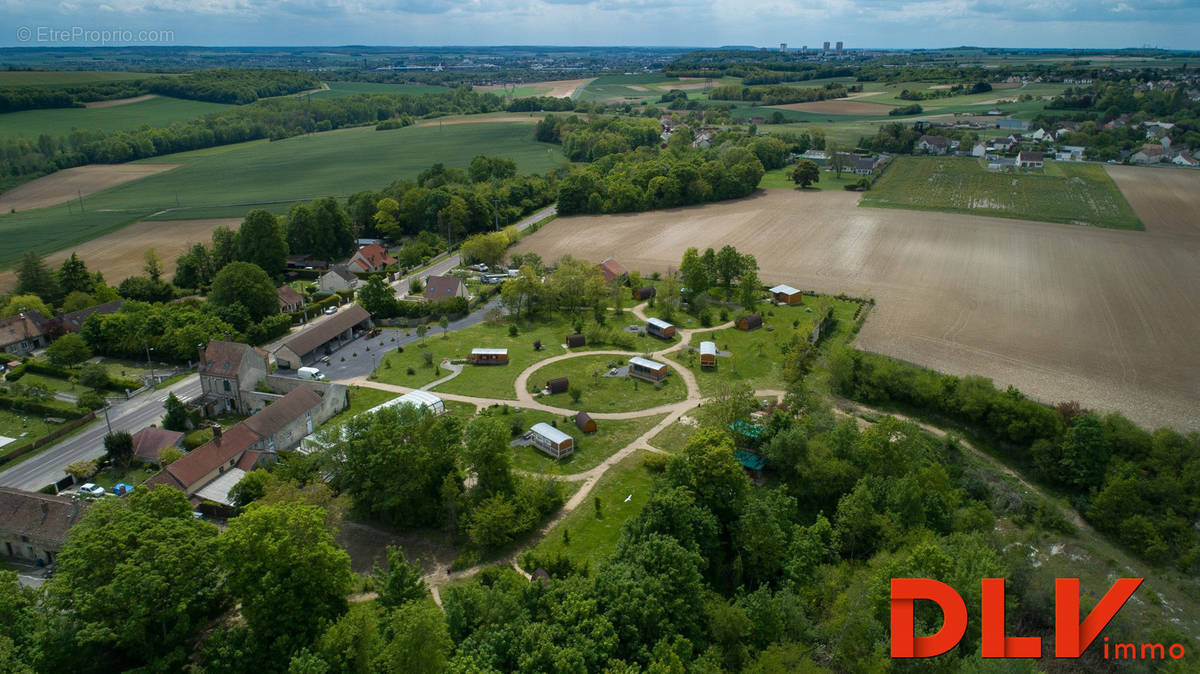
225, 358
22, 326
304, 342
441, 287
282, 412
149, 442
74, 320
38, 516
612, 269
289, 295
193, 466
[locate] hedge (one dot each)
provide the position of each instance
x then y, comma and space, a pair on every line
38, 407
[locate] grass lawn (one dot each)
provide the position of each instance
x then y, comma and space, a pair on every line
159, 111
22, 427
590, 448
52, 383
592, 538
605, 394
488, 381
134, 476
1064, 192
781, 179
362, 398
757, 355
674, 437
228, 182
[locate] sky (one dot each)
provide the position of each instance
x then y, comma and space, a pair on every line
1171, 24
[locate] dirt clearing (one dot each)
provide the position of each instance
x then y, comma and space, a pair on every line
1106, 317
119, 101
68, 184
837, 107
119, 254
1165, 199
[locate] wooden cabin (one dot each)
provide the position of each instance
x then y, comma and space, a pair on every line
649, 370
785, 294
551, 440
575, 340
489, 356
644, 293
749, 322
660, 328
585, 423
708, 354
559, 385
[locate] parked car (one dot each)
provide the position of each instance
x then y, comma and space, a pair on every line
91, 490
330, 311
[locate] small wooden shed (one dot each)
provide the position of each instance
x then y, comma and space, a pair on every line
559, 385
551, 440
660, 328
644, 293
585, 422
708, 354
785, 294
577, 339
489, 356
749, 322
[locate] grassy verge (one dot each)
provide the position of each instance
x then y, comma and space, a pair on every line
591, 449
593, 538
605, 394
674, 437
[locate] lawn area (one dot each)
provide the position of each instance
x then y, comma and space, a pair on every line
756, 356
606, 394
590, 448
51, 383
1072, 193
22, 427
133, 476
592, 538
229, 182
488, 381
362, 398
674, 437
781, 179
159, 111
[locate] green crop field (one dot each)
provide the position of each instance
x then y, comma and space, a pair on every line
645, 87
227, 182
160, 111
1065, 192
66, 78
338, 89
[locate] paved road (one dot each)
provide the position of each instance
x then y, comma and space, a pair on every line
131, 415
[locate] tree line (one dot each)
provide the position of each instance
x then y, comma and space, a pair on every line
777, 95
589, 140
1136, 486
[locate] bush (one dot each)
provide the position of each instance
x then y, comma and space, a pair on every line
655, 462
91, 400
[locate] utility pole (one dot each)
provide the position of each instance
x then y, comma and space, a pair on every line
148, 363
106, 421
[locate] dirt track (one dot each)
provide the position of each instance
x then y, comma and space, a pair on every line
120, 101
68, 184
1105, 317
119, 254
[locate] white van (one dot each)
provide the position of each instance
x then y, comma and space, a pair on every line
309, 373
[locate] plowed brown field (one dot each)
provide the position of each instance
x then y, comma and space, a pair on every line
1106, 317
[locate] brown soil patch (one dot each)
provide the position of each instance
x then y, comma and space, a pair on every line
68, 184
1165, 199
119, 254
840, 106
1106, 317
119, 101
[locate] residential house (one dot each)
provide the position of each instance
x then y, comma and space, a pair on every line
1002, 144
149, 443
1185, 159
1151, 153
444, 287
227, 370
613, 270
281, 424
864, 166
33, 526
290, 300
1042, 135
321, 338
933, 144
73, 321
1070, 153
979, 150
24, 333
785, 294
649, 370
338, 279
551, 440
370, 259
1027, 159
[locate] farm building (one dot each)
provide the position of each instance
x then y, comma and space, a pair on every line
577, 339
749, 322
708, 354
420, 399
785, 294
559, 385
551, 440
645, 292
321, 339
1028, 159
489, 356
660, 328
644, 368
613, 270
585, 423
